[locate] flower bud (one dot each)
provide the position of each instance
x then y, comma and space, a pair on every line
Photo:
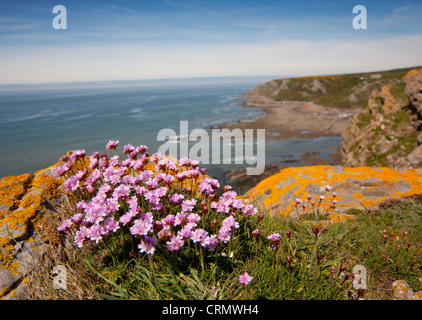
255, 233
315, 230
288, 234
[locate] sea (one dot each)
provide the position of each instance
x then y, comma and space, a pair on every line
39, 125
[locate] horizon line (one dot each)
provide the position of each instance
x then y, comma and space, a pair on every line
170, 81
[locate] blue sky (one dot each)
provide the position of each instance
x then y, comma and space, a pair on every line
130, 40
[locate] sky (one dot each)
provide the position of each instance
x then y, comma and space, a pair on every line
155, 39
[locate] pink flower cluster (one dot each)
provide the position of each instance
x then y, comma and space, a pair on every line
160, 201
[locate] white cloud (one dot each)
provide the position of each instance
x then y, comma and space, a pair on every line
126, 62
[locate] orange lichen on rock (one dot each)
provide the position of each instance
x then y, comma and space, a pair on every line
402, 291
25, 197
355, 187
12, 188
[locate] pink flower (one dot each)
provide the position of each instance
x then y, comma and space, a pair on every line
95, 233
147, 245
198, 235
168, 220
185, 232
60, 171
210, 242
245, 279
230, 223
140, 227
128, 148
168, 178
77, 218
141, 149
175, 243
184, 161
249, 210
80, 236
112, 144
187, 205
180, 218
126, 218
224, 234
193, 217
274, 238
110, 224
176, 198
65, 225
71, 183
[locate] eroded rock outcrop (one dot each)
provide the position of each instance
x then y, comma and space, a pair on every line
388, 132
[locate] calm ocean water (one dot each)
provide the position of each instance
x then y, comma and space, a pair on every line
37, 127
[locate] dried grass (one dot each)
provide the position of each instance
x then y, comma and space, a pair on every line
80, 283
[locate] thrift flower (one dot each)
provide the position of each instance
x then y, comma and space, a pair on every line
176, 198
188, 205
175, 243
198, 235
245, 279
112, 144
274, 238
65, 225
147, 245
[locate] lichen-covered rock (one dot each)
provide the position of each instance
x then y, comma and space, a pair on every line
402, 291
349, 188
24, 200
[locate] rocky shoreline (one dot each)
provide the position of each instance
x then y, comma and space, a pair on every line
286, 120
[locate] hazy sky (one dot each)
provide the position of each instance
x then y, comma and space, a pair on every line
151, 39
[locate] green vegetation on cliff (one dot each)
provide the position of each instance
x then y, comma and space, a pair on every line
342, 91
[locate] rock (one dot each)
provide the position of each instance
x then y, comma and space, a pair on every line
6, 279
356, 188
387, 132
27, 198
413, 81
419, 139
402, 291
415, 157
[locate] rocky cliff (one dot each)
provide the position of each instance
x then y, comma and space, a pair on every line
388, 131
341, 91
